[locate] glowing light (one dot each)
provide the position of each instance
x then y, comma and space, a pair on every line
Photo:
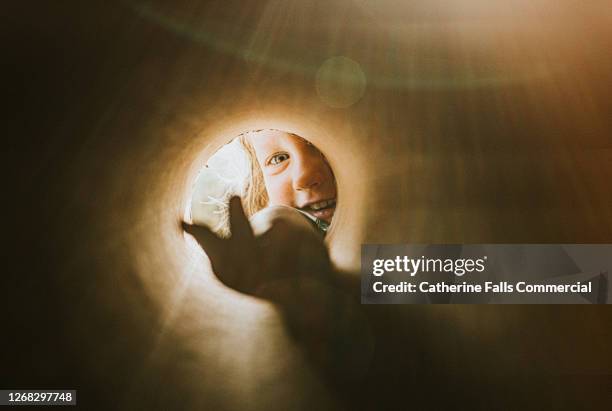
340, 82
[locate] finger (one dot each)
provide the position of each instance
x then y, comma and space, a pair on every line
209, 241
239, 223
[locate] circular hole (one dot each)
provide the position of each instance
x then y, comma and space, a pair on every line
267, 167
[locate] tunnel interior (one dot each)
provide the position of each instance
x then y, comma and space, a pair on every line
443, 124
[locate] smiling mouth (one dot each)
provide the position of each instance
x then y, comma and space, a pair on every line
323, 210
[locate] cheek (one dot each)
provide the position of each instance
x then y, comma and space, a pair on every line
280, 190
330, 180
330, 177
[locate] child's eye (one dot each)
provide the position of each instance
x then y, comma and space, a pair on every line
278, 158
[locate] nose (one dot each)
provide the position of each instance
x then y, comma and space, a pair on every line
309, 171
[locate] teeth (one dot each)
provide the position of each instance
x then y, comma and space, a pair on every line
322, 204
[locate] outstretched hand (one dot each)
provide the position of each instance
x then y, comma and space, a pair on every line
279, 256
284, 246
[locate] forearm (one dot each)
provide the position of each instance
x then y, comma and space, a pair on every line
323, 315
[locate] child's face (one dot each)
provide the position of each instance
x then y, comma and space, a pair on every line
295, 173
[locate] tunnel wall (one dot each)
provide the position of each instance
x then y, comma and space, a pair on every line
116, 110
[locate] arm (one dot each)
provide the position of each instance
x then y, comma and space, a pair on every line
282, 258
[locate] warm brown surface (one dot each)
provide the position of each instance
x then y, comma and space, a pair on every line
488, 126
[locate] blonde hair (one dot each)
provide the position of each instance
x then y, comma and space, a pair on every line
255, 196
